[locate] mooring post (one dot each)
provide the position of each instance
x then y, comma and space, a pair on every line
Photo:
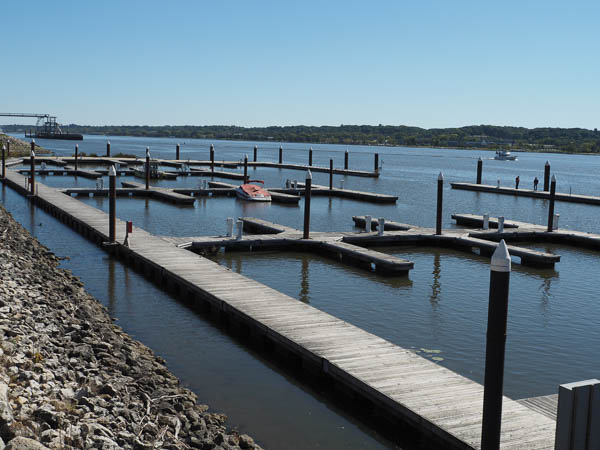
147, 168
331, 174
346, 160
32, 173
308, 188
240, 229
501, 224
368, 224
76, 156
495, 347
245, 169
280, 154
547, 176
229, 226
479, 169
112, 204
381, 227
376, 163
486, 221
177, 152
255, 153
310, 157
440, 200
552, 198
128, 231
3, 161
555, 222
212, 158
108, 149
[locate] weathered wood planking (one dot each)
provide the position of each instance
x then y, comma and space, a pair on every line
435, 400
547, 404
161, 193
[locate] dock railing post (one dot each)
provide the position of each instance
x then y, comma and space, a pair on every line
479, 169
245, 169
578, 416
212, 158
147, 168
440, 201
177, 152
280, 154
376, 163
552, 199
368, 224
3, 161
310, 157
108, 149
330, 174
112, 204
546, 176
381, 226
255, 153
32, 173
307, 192
501, 224
495, 347
346, 160
76, 156
229, 226
486, 221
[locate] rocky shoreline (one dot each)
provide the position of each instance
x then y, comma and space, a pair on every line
70, 378
18, 148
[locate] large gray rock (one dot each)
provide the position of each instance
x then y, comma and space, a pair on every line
23, 443
6, 415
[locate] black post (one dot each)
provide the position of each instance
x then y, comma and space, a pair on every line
376, 168
212, 158
307, 190
108, 148
346, 160
32, 173
3, 161
255, 153
310, 157
495, 347
147, 168
551, 208
440, 201
330, 174
76, 156
479, 170
112, 204
8, 149
177, 152
245, 169
280, 154
547, 176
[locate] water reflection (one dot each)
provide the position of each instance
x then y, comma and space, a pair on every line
304, 295
435, 285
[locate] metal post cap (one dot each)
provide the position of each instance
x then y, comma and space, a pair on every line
112, 172
147, 152
501, 258
76, 145
33, 141
441, 177
3, 147
108, 142
553, 178
32, 153
480, 159
547, 163
308, 175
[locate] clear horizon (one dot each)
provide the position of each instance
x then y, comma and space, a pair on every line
430, 65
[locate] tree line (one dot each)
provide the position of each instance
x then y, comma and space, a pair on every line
475, 136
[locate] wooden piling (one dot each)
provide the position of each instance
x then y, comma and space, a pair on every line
547, 176
331, 174
76, 156
346, 160
255, 153
3, 161
112, 204
310, 159
177, 152
147, 168
551, 208
212, 158
108, 149
440, 194
32, 171
307, 192
495, 348
280, 154
8, 149
245, 169
479, 169
376, 163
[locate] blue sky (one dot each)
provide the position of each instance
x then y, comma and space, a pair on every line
252, 63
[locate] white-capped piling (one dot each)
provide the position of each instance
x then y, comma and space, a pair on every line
307, 195
112, 203
440, 201
552, 199
147, 168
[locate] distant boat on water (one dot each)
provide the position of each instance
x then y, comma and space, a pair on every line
504, 155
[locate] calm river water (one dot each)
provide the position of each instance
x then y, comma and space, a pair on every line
439, 310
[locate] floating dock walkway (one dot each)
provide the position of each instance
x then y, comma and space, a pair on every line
395, 382
562, 197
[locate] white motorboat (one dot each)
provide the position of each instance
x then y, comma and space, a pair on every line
252, 192
504, 155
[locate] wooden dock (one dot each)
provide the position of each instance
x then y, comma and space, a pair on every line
305, 167
276, 197
161, 193
562, 197
473, 220
444, 407
361, 222
65, 171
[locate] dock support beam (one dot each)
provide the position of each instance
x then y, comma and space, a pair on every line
108, 149
310, 157
440, 201
495, 348
280, 154
551, 208
32, 172
76, 157
331, 174
245, 169
547, 176
376, 163
346, 160
479, 169
255, 153
308, 188
147, 168
212, 158
112, 204
3, 161
177, 152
